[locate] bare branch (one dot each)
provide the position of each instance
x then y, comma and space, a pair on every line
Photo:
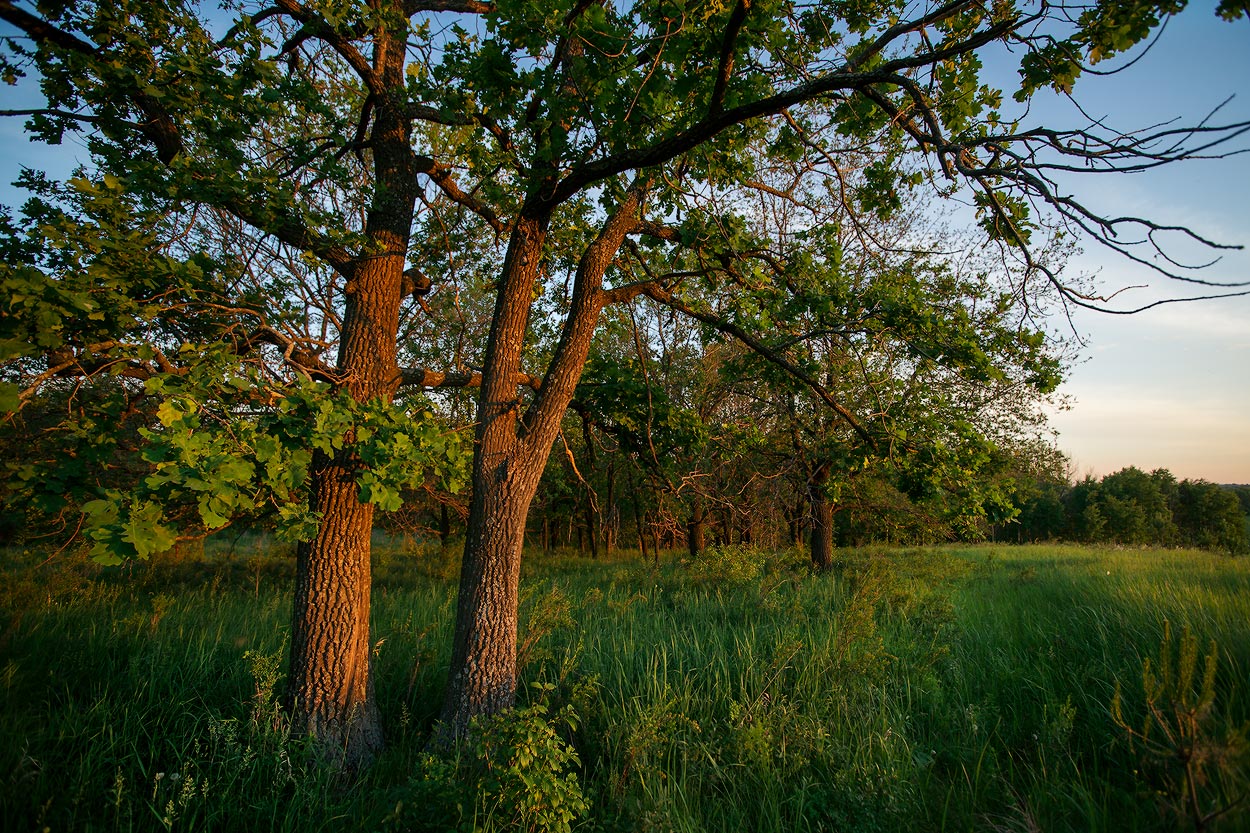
60, 114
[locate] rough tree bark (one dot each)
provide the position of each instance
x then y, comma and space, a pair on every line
331, 683
330, 697
509, 457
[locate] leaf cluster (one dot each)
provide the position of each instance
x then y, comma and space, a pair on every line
235, 454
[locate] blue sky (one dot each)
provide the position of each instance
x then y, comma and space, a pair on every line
1165, 388
1169, 387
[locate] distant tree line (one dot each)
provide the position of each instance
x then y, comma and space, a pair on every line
597, 498
1133, 507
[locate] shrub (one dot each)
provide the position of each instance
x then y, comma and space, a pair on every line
730, 564
524, 771
516, 773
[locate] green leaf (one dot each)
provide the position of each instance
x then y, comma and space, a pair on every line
145, 531
10, 397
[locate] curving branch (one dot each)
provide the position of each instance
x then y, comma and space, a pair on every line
1016, 161
315, 26
588, 300
663, 296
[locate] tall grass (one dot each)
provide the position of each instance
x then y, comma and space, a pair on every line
937, 689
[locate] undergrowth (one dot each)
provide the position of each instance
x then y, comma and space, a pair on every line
932, 689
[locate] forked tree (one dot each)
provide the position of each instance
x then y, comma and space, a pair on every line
578, 134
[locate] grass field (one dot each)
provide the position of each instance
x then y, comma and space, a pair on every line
959, 688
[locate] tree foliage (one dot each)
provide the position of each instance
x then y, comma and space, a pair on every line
1132, 507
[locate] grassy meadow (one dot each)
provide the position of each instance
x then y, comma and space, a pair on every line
955, 688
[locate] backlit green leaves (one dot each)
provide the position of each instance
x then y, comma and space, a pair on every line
219, 453
1004, 217
127, 528
1103, 31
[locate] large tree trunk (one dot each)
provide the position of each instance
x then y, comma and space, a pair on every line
331, 681
483, 668
330, 697
508, 461
483, 661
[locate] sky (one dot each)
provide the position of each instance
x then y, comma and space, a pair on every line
1167, 388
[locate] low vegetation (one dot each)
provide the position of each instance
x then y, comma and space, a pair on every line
961, 688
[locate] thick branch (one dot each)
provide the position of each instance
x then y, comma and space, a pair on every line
420, 378
441, 175
586, 304
462, 6
842, 80
725, 68
316, 26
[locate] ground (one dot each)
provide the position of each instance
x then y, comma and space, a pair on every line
955, 688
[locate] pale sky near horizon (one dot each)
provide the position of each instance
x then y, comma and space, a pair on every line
1167, 388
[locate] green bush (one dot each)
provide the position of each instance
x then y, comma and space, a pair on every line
729, 564
516, 773
524, 771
